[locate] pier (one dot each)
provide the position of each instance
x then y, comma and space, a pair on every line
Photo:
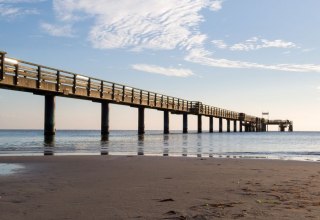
50, 82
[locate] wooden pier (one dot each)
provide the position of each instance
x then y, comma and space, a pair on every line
50, 82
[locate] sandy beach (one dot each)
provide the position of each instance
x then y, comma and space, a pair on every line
140, 187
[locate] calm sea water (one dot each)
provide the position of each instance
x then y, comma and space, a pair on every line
273, 145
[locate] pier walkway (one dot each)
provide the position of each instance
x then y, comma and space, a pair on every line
50, 82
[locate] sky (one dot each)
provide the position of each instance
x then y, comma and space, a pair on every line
248, 56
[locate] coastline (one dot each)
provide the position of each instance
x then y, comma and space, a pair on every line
141, 187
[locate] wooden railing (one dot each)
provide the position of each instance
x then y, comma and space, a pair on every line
22, 75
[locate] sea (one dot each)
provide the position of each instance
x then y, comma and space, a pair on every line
257, 145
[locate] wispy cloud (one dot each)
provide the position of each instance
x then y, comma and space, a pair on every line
139, 24
57, 30
14, 8
160, 25
216, 5
219, 44
205, 58
255, 43
162, 70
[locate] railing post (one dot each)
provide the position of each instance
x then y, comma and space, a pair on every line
16, 74
132, 96
58, 81
141, 97
2, 72
113, 90
89, 87
123, 93
101, 89
39, 77
162, 101
74, 84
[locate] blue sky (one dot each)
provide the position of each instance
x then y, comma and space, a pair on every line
248, 56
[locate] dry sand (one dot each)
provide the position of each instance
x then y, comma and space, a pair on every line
120, 187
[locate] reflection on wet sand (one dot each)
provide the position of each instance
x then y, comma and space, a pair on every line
104, 144
165, 145
140, 151
185, 145
199, 145
48, 145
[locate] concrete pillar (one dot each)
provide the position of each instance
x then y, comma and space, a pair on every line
235, 126
220, 125
49, 115
258, 129
246, 127
282, 128
211, 124
185, 123
141, 120
291, 128
240, 126
228, 125
104, 119
166, 122
199, 124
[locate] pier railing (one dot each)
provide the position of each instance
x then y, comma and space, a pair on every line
21, 75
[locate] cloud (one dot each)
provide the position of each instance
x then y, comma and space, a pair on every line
254, 43
14, 8
202, 57
219, 44
21, 1
163, 71
139, 24
57, 30
216, 5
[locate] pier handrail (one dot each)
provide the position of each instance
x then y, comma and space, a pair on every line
22, 75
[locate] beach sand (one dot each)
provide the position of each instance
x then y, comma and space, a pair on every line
141, 187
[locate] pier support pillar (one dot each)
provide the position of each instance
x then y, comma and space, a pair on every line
246, 127
258, 125
282, 128
104, 119
290, 128
240, 126
166, 122
141, 120
199, 124
228, 125
49, 116
220, 125
211, 124
235, 126
185, 123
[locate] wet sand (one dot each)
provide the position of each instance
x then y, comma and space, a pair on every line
138, 187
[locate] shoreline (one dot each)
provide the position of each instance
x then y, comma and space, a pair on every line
215, 156
135, 187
